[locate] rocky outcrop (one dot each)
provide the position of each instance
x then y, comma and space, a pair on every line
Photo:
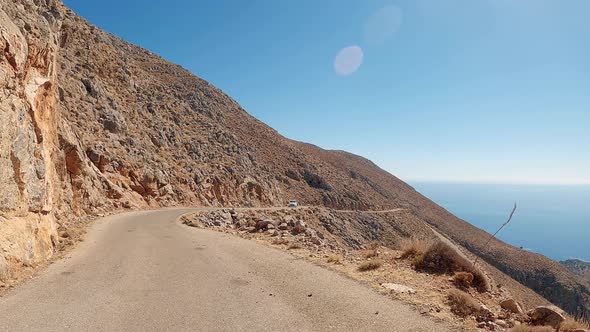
547, 316
44, 174
578, 267
512, 306
29, 136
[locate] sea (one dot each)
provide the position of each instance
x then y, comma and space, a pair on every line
553, 220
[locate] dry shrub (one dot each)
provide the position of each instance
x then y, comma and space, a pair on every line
463, 279
370, 265
335, 259
462, 304
570, 325
442, 258
293, 246
414, 247
280, 241
369, 253
527, 328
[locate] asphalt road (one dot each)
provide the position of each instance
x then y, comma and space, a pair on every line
144, 271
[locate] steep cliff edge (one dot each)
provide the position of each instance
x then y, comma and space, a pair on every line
90, 123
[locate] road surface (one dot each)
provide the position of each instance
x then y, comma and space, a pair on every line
144, 271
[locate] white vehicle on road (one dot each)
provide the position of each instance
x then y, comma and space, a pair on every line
293, 203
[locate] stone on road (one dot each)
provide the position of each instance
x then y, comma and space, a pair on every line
144, 271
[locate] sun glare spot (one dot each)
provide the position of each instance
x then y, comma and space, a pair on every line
348, 60
383, 24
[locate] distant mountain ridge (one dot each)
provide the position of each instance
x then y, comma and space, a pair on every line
579, 267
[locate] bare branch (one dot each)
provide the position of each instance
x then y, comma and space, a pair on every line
498, 231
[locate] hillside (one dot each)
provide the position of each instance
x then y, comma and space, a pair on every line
92, 124
579, 267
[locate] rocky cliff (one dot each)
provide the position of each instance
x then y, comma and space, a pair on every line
90, 123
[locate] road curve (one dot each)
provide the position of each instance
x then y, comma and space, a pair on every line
143, 271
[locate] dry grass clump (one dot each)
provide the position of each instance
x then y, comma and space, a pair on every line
414, 247
280, 241
442, 258
370, 265
294, 246
527, 328
463, 280
462, 304
369, 253
335, 259
570, 325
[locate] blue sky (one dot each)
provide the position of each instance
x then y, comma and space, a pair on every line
454, 90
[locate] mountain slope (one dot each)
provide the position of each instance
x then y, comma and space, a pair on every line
578, 267
92, 124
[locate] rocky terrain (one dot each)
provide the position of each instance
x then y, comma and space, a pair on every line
351, 242
92, 124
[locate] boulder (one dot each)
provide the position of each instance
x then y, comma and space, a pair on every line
512, 306
297, 230
547, 315
484, 314
263, 224
399, 289
501, 323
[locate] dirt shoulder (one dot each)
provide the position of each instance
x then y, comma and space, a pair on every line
333, 239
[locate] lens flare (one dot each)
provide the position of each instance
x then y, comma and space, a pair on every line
382, 25
348, 60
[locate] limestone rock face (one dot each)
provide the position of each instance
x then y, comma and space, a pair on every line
44, 172
28, 134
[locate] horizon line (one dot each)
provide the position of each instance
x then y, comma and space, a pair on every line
495, 182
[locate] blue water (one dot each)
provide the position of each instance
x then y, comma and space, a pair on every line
551, 220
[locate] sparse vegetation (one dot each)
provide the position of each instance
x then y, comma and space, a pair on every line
463, 280
462, 304
369, 253
335, 259
527, 328
439, 257
571, 325
414, 247
370, 265
442, 258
